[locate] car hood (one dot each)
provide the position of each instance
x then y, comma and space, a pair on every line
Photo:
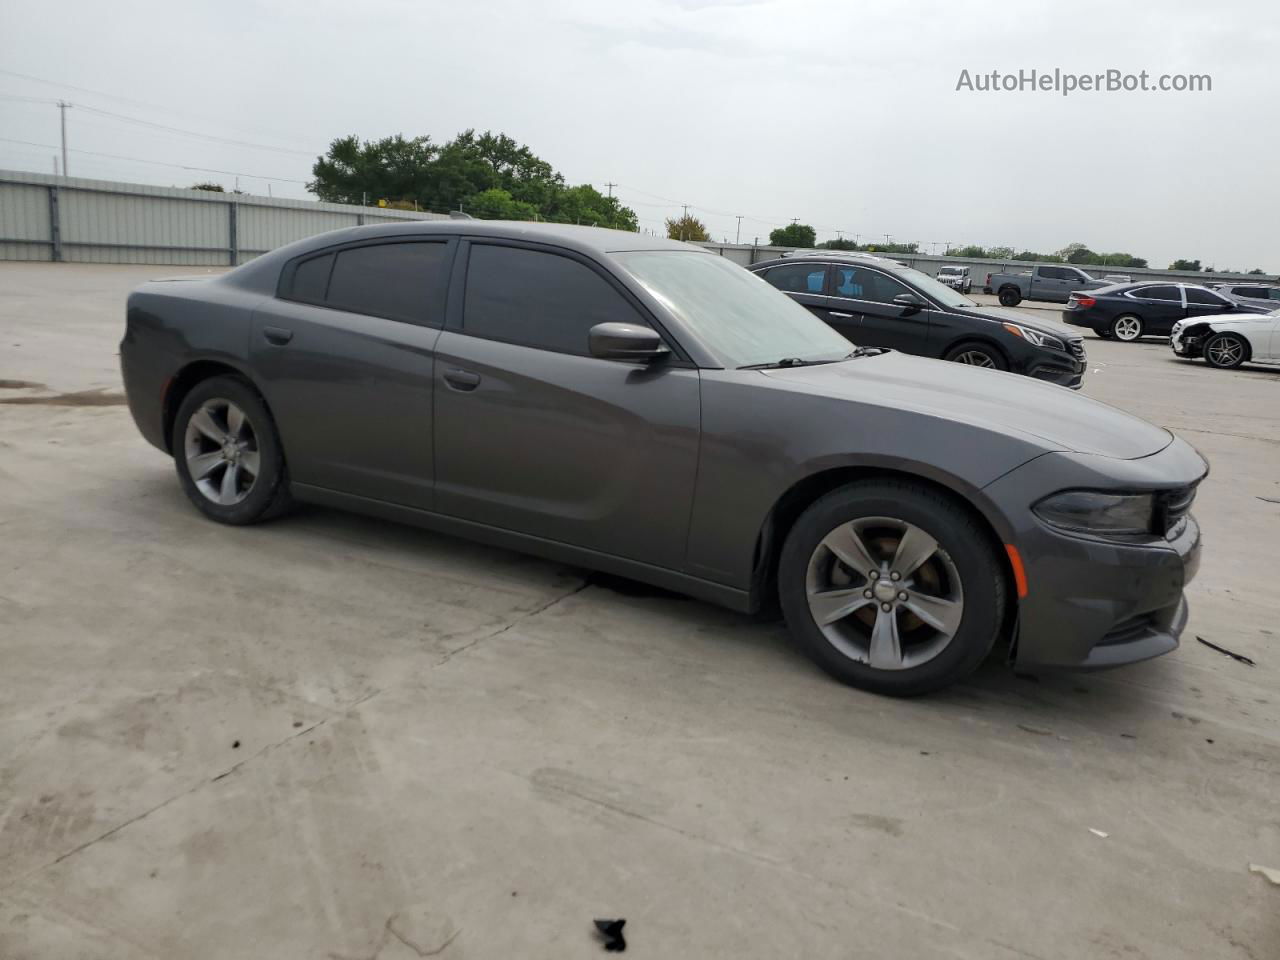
1052, 416
1233, 318
1022, 317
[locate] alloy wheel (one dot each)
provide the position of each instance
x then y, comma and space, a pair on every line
975, 358
884, 593
221, 450
1128, 329
1225, 351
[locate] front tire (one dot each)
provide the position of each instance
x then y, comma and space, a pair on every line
977, 355
1126, 328
228, 454
892, 587
1226, 351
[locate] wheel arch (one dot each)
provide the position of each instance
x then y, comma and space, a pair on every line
786, 510
188, 378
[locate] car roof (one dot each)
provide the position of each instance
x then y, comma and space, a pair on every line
261, 273
833, 256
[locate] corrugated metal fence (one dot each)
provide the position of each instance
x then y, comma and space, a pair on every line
44, 217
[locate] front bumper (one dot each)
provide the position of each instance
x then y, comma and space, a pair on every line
1186, 346
1093, 603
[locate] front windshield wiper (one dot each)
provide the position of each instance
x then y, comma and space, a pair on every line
786, 362
797, 362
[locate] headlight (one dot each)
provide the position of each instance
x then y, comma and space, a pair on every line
1035, 337
1100, 514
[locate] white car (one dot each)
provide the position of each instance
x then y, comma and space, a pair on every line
1228, 340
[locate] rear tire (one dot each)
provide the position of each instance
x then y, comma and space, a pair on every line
869, 538
1010, 297
1226, 351
228, 454
977, 355
1126, 328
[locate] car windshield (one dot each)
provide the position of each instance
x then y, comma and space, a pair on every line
934, 289
737, 315
950, 271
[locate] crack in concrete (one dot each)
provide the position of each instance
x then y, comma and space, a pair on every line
388, 931
518, 620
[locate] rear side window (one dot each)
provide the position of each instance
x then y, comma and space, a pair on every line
1200, 295
311, 279
538, 299
399, 281
798, 277
1158, 293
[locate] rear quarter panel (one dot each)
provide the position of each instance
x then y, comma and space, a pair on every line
170, 325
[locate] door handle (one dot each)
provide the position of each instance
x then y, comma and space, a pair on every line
277, 335
463, 380
842, 316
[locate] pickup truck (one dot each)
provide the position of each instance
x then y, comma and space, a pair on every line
1039, 283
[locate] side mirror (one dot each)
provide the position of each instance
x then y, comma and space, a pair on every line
910, 302
625, 341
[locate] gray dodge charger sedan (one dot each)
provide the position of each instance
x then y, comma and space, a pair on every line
645, 408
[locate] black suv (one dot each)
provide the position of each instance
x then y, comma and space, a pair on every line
877, 302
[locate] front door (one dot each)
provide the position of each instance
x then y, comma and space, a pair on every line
868, 294
535, 435
345, 357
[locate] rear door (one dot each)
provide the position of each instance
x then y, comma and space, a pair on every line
807, 283
1056, 283
868, 294
535, 435
1160, 306
345, 357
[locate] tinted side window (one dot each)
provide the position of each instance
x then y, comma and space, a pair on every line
1158, 293
798, 277
1055, 273
538, 299
1199, 295
311, 279
863, 284
400, 281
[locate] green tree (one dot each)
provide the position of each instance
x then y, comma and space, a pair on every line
497, 204
210, 186
970, 252
687, 227
1188, 265
1257, 272
587, 205
793, 235
1000, 253
838, 244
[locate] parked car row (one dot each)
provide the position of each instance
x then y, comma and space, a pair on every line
1129, 311
636, 405
876, 302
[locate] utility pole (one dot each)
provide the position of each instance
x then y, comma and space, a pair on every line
737, 237
55, 164
610, 186
62, 116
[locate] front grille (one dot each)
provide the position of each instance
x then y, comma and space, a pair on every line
1172, 508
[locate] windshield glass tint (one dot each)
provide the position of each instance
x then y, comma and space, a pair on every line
934, 289
735, 313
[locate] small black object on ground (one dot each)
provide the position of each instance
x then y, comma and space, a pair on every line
1234, 656
611, 932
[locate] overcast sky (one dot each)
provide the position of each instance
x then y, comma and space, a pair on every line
842, 114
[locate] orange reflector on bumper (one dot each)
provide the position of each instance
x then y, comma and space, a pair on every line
1019, 574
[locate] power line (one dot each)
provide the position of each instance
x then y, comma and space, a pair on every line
157, 163
193, 133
